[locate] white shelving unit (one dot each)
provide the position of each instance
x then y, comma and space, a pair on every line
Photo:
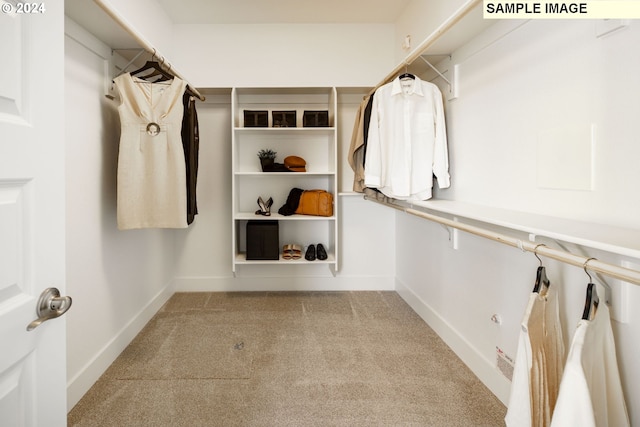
317, 145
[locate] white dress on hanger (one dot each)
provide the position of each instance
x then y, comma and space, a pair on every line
152, 190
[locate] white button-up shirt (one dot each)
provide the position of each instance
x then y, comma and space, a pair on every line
407, 141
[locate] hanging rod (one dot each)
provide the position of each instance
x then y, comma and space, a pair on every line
143, 43
430, 40
615, 271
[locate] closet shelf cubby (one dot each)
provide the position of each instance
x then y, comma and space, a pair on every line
317, 145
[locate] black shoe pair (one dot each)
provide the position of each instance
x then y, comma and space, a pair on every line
313, 253
265, 207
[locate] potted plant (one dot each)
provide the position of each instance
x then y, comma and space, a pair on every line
267, 158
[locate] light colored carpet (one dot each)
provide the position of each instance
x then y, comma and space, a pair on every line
288, 359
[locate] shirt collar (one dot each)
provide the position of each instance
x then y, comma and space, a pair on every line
416, 87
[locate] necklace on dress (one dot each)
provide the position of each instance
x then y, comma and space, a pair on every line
153, 128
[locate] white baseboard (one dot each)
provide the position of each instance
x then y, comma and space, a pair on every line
482, 367
82, 382
285, 283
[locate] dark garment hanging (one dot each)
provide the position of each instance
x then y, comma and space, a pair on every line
365, 124
191, 146
366, 121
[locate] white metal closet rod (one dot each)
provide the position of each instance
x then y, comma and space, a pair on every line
618, 272
431, 39
142, 42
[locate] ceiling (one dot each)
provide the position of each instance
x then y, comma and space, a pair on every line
89, 15
282, 11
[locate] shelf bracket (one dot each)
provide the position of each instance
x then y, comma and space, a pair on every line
453, 235
135, 58
435, 69
332, 269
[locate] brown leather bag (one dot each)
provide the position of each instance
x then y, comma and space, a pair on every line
315, 202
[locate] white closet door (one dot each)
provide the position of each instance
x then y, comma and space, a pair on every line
32, 363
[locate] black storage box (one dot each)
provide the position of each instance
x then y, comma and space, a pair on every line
315, 119
256, 119
262, 240
284, 119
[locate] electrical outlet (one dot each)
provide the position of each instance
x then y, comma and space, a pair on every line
504, 363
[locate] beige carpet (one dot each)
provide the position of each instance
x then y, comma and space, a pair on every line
288, 359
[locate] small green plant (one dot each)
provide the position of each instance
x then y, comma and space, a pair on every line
267, 154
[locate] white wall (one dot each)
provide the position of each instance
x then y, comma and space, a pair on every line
149, 21
117, 280
514, 86
419, 19
204, 250
267, 55
517, 83
279, 55
542, 77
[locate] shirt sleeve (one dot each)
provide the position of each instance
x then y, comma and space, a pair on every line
440, 155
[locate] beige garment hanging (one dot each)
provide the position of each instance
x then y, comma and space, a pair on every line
539, 363
151, 165
548, 356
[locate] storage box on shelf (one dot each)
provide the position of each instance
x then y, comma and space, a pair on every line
316, 145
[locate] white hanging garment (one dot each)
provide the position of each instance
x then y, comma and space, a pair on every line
407, 142
519, 407
539, 363
591, 391
151, 164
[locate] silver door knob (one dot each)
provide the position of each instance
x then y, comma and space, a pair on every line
50, 305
